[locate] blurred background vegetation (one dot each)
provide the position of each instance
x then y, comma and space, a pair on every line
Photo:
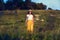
12, 25
22, 5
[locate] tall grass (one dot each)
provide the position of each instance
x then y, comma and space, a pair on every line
12, 25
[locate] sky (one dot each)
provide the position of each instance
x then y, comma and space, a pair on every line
54, 4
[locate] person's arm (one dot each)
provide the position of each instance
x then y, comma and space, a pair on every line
33, 19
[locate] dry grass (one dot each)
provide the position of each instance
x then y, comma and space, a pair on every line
13, 24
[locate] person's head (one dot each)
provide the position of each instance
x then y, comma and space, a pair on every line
30, 11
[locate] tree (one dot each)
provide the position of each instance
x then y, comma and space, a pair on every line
18, 3
9, 5
1, 5
28, 1
27, 4
49, 8
40, 6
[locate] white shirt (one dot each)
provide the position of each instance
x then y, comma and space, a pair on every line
29, 17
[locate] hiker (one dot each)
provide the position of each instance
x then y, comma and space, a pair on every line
29, 21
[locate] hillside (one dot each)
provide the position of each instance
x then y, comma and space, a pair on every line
12, 25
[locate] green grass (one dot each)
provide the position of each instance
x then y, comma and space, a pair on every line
13, 24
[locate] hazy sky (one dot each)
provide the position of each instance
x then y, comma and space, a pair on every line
54, 4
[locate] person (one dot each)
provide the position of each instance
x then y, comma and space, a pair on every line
30, 21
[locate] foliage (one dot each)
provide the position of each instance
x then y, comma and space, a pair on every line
20, 4
12, 25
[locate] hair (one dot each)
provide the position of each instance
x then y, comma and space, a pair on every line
31, 13
28, 12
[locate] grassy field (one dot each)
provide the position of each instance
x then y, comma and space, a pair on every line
12, 25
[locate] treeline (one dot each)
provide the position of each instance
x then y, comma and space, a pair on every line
22, 5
